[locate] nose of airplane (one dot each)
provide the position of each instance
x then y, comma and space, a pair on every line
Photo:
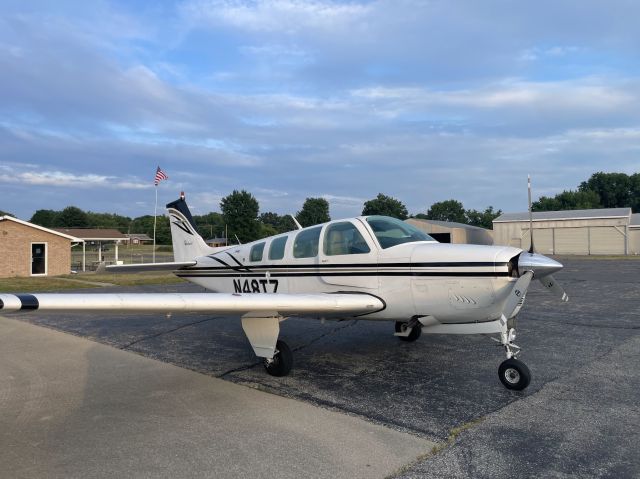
540, 265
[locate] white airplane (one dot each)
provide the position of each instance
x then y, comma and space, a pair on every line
367, 268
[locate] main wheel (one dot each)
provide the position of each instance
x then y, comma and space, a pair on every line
282, 361
415, 333
514, 374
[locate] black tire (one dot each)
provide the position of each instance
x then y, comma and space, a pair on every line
415, 333
282, 361
514, 374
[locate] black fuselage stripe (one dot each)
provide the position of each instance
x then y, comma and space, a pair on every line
238, 262
358, 265
1, 304
240, 274
227, 266
28, 301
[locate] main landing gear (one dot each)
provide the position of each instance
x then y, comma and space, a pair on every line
282, 360
408, 331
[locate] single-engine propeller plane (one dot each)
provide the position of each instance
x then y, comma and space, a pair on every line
368, 268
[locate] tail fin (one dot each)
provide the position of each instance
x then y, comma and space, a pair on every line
187, 243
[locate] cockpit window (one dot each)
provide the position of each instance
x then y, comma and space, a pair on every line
344, 238
392, 232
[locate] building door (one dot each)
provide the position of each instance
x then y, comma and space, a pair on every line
38, 258
441, 237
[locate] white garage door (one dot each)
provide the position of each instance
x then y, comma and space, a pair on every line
572, 241
542, 240
634, 241
606, 240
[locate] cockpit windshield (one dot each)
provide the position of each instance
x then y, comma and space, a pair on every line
392, 232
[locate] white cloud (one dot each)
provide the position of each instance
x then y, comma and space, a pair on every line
282, 16
64, 179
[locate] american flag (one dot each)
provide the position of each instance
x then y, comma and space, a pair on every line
160, 175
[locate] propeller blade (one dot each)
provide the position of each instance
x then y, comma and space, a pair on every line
531, 248
550, 283
516, 296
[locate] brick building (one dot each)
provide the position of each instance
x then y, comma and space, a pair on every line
31, 250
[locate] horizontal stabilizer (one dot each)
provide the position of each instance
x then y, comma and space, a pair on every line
137, 268
322, 304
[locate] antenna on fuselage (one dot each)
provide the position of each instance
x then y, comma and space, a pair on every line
531, 250
237, 239
298, 225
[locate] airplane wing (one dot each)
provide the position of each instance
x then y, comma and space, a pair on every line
321, 304
136, 268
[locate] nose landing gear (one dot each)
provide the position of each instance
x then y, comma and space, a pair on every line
513, 373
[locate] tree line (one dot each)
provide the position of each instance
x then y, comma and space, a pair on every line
240, 215
601, 190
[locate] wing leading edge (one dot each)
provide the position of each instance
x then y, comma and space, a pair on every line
322, 304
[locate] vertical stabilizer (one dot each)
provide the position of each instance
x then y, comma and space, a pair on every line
187, 243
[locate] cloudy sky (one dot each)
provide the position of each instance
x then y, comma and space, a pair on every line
421, 100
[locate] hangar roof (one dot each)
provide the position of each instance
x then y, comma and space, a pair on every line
448, 224
91, 234
635, 220
139, 236
565, 215
42, 228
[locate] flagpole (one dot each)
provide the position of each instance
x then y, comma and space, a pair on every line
155, 213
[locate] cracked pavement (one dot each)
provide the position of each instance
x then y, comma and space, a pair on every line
578, 418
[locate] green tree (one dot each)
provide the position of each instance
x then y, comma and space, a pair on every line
483, 219
210, 225
72, 217
267, 230
144, 224
614, 189
240, 213
386, 206
314, 211
449, 210
634, 181
4, 213
568, 200
108, 220
280, 224
46, 218
546, 203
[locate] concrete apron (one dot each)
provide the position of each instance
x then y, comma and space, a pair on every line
74, 408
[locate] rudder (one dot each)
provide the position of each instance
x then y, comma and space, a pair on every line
187, 243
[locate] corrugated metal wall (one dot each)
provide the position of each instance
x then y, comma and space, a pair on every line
583, 237
571, 241
634, 240
543, 239
606, 240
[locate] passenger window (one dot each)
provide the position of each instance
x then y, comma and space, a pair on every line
256, 252
344, 238
276, 250
306, 243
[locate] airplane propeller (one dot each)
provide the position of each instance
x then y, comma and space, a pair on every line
532, 265
516, 296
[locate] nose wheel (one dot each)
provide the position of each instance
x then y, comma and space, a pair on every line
514, 374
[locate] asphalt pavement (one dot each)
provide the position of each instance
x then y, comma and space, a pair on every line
578, 418
73, 408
